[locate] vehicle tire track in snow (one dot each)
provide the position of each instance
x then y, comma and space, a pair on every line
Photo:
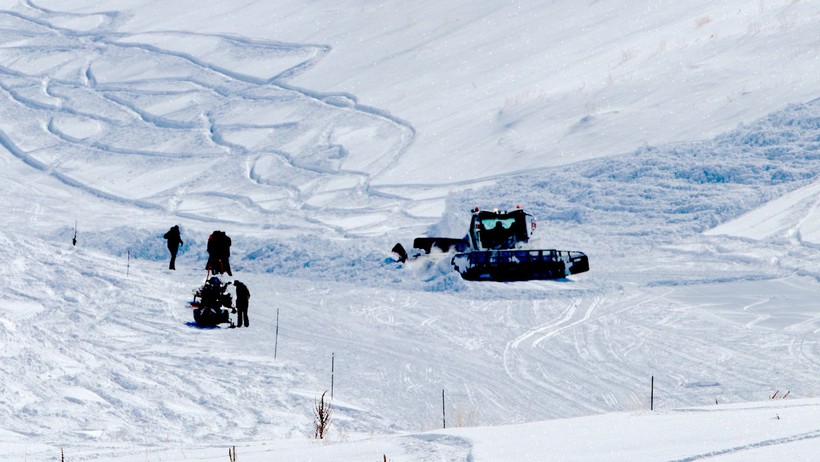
752, 446
566, 316
808, 346
531, 367
610, 339
590, 309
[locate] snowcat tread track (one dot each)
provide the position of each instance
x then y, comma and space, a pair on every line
519, 265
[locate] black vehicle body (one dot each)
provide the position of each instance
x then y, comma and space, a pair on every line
209, 303
498, 248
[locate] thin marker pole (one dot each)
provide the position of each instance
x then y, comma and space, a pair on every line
332, 372
276, 341
652, 395
443, 416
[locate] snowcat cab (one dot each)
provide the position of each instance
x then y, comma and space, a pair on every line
212, 297
500, 230
497, 248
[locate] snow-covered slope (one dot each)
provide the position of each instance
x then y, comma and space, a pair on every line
382, 109
541, 82
793, 215
677, 145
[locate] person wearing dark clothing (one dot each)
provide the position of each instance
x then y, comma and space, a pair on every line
219, 253
226, 253
174, 241
242, 296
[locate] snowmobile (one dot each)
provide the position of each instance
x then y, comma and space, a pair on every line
496, 248
209, 301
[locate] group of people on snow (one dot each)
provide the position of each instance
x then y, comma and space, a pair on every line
219, 253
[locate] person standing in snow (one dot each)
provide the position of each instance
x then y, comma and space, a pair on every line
174, 241
242, 296
226, 253
219, 253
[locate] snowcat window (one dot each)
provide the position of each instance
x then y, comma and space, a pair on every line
490, 223
497, 233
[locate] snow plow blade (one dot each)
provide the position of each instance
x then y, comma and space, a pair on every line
519, 265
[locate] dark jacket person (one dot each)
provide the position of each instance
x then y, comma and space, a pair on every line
219, 252
242, 296
174, 241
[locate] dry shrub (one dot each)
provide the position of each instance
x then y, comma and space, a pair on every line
322, 411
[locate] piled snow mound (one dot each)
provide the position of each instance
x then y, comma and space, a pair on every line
672, 191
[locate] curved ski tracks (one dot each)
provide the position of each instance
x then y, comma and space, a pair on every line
130, 109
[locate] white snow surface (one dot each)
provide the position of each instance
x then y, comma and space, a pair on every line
677, 144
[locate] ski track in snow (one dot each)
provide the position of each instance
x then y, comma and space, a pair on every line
201, 125
752, 446
115, 358
114, 368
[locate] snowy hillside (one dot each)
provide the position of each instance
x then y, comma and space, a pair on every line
675, 144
